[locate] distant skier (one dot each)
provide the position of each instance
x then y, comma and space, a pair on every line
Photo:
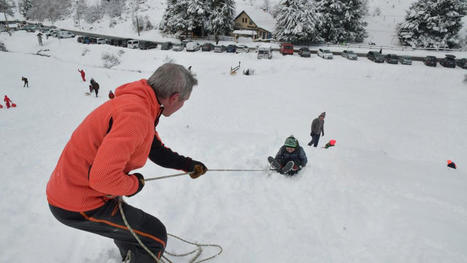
451, 164
317, 128
83, 75
111, 94
39, 38
7, 101
290, 159
25, 82
94, 87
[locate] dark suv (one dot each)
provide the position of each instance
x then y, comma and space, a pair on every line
449, 61
375, 56
392, 59
430, 61
462, 63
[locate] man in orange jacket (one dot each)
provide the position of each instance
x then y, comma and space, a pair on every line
95, 167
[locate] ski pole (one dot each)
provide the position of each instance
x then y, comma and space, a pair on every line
210, 170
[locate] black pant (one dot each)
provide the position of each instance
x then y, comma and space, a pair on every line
107, 221
314, 140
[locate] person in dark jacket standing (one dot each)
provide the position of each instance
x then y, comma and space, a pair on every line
317, 129
291, 151
25, 82
96, 166
94, 86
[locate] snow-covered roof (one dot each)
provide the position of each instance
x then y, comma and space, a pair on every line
262, 19
245, 32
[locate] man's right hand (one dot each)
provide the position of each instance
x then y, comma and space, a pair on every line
197, 169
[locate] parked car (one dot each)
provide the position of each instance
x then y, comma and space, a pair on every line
166, 45
207, 47
405, 60
51, 32
100, 41
375, 56
264, 52
65, 34
286, 49
242, 49
132, 43
192, 46
392, 59
119, 42
219, 49
462, 63
29, 28
178, 47
349, 54
147, 45
304, 52
430, 61
325, 53
449, 61
231, 49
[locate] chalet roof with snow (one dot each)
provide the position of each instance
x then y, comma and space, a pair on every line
259, 17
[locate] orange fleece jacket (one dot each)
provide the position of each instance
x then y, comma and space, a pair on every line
96, 162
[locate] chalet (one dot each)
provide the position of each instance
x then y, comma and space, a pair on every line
256, 24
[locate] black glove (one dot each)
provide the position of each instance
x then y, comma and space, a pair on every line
140, 181
197, 169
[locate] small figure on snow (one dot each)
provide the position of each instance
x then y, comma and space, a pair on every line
83, 75
94, 87
25, 82
451, 164
97, 165
8, 102
111, 94
290, 159
317, 129
39, 38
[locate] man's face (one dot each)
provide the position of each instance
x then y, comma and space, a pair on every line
321, 117
290, 149
175, 102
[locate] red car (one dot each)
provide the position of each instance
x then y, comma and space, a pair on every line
286, 49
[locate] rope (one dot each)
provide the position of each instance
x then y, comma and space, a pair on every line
198, 249
210, 170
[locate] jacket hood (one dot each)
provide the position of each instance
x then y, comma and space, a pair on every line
143, 90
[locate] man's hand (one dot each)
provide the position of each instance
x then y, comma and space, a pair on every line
197, 169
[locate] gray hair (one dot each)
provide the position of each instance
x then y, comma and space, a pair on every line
172, 78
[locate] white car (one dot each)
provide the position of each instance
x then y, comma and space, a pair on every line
65, 34
264, 52
100, 41
325, 53
132, 43
242, 49
349, 54
192, 46
178, 47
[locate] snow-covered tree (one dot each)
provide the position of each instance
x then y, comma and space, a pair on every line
175, 17
342, 20
49, 9
113, 8
6, 7
24, 6
433, 23
221, 18
296, 21
198, 16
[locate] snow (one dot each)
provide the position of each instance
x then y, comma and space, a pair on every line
382, 194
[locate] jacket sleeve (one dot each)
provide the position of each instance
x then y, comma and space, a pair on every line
314, 125
107, 173
302, 156
280, 155
165, 157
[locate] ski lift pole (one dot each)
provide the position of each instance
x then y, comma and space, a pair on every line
209, 170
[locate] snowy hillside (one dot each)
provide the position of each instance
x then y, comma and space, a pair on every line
382, 194
383, 17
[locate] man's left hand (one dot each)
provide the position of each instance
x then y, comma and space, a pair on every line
197, 169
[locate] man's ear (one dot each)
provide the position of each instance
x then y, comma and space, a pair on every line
174, 97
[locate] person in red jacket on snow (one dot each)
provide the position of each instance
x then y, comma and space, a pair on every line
7, 102
96, 166
83, 75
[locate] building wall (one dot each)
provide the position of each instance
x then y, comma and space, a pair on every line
244, 22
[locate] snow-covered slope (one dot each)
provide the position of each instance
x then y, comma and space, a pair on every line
383, 194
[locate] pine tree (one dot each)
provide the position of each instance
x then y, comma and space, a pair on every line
175, 17
49, 9
296, 21
24, 7
198, 16
6, 7
433, 23
342, 20
221, 19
